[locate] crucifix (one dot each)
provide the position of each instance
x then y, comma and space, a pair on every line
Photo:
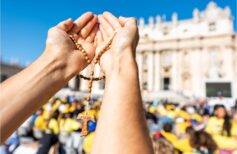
86, 117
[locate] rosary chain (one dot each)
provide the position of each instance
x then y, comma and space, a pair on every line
91, 78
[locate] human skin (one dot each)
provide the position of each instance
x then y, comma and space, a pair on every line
122, 126
25, 92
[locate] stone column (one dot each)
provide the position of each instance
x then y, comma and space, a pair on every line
227, 57
96, 84
204, 70
174, 71
150, 64
157, 71
196, 72
235, 71
83, 83
228, 67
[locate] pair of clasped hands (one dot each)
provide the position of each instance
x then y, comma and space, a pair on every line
93, 32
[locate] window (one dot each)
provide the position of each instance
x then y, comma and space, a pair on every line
165, 31
145, 86
185, 30
216, 89
166, 84
212, 26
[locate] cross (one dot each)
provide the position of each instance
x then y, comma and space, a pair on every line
86, 118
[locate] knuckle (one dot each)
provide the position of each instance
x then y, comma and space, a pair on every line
83, 32
134, 20
51, 30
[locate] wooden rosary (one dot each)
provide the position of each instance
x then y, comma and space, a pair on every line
86, 116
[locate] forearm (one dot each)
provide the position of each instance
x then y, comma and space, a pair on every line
28, 90
122, 127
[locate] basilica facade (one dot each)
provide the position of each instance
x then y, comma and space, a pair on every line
195, 57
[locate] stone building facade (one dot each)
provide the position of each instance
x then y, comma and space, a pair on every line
191, 57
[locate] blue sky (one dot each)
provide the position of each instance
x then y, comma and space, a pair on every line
24, 23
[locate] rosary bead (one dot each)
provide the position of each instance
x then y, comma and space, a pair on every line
88, 98
79, 48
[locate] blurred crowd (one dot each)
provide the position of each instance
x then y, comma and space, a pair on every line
195, 127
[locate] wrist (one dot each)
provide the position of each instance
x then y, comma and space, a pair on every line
124, 65
56, 67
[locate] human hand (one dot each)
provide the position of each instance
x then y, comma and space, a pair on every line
124, 43
61, 48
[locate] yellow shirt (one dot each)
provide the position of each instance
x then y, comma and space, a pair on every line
46, 114
183, 114
214, 127
164, 112
181, 127
40, 123
53, 125
169, 136
183, 145
197, 117
56, 105
66, 124
87, 144
224, 142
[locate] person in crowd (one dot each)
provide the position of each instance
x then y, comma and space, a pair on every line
152, 122
167, 132
222, 128
202, 143
183, 145
162, 146
87, 143
50, 138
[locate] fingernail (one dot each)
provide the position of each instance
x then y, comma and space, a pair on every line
69, 19
89, 12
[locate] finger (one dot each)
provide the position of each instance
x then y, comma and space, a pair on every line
122, 20
99, 37
112, 20
103, 33
65, 25
131, 22
85, 31
108, 29
91, 36
81, 22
